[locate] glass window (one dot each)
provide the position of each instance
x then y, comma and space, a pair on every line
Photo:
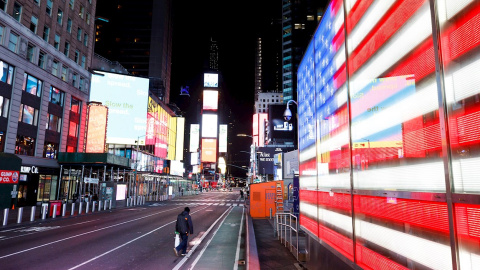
54, 123
71, 4
28, 115
31, 53
64, 73
25, 146
17, 11
76, 57
59, 16
12, 42
4, 103
6, 74
69, 25
88, 18
33, 24
56, 96
74, 79
50, 150
2, 29
85, 40
81, 83
41, 60
3, 5
46, 33
79, 34
56, 42
66, 49
37, 2
48, 8
75, 105
82, 12
73, 129
55, 68
32, 85
83, 61
47, 188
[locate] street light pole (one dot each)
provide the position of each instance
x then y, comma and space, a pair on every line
254, 153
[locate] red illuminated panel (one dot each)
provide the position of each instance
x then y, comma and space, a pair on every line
255, 125
309, 224
262, 118
356, 13
398, 14
209, 150
468, 221
96, 129
369, 259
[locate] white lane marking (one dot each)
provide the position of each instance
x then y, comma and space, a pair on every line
22, 229
131, 241
200, 241
208, 243
237, 256
78, 235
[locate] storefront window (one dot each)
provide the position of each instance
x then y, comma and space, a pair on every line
47, 187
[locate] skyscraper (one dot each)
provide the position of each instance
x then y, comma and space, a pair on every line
299, 20
138, 34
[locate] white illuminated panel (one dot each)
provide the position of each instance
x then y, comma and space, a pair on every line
209, 125
194, 158
222, 139
180, 138
210, 100
210, 80
194, 137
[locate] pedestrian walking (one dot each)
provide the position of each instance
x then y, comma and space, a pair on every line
241, 193
184, 226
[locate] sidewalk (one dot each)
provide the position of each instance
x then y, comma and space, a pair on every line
271, 253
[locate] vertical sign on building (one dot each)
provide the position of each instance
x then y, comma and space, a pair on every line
194, 137
96, 128
180, 138
222, 139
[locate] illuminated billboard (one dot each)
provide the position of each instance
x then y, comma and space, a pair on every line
172, 137
209, 125
281, 131
210, 100
194, 158
176, 167
222, 138
180, 138
194, 137
96, 128
210, 80
209, 150
126, 98
157, 131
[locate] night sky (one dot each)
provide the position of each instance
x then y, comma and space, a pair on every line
235, 27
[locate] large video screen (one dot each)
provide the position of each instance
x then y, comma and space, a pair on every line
281, 130
96, 129
209, 150
222, 138
157, 131
126, 98
209, 125
194, 137
210, 80
210, 100
180, 138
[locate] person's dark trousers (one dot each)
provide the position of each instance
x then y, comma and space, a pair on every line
183, 245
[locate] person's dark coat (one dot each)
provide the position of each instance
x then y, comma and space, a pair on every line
184, 223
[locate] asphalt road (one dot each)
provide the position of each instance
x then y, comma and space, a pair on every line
140, 237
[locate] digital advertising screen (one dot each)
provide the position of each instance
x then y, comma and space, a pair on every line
194, 158
209, 125
176, 168
222, 138
157, 131
180, 138
126, 98
210, 80
209, 150
210, 100
172, 137
96, 128
194, 137
280, 129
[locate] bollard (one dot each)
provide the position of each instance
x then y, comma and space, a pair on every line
73, 209
20, 214
104, 205
87, 208
44, 211
128, 202
5, 216
64, 209
32, 213
54, 215
110, 206
93, 206
270, 213
80, 208
99, 206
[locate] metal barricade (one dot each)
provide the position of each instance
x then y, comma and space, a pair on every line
286, 225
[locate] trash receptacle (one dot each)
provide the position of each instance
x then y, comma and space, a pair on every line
58, 203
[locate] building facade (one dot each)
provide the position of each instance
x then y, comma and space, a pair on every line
45, 52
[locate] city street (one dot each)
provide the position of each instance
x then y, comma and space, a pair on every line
140, 237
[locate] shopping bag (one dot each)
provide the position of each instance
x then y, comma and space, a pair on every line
177, 239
